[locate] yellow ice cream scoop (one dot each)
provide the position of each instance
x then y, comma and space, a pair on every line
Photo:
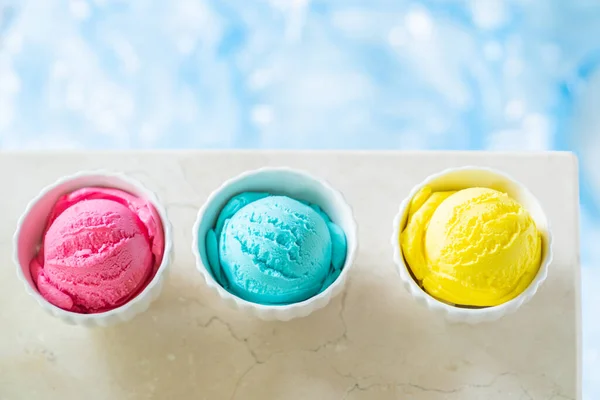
472, 247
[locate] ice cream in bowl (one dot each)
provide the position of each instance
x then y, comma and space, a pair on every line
93, 248
275, 242
472, 243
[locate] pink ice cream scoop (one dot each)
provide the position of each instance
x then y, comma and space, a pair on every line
101, 247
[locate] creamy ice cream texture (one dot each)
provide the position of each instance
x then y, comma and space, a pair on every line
271, 249
472, 247
101, 247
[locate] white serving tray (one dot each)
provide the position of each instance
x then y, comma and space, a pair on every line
372, 342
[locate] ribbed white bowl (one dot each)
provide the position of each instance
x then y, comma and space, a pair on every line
30, 229
295, 184
461, 178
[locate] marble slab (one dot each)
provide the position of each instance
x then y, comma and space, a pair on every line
371, 342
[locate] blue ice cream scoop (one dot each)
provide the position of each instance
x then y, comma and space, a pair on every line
272, 249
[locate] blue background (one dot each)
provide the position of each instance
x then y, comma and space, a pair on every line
478, 74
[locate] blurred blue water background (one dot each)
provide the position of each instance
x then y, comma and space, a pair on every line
430, 74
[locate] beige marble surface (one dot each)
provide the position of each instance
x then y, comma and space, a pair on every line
372, 342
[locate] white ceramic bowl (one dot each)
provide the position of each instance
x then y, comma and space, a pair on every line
461, 178
295, 184
30, 229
